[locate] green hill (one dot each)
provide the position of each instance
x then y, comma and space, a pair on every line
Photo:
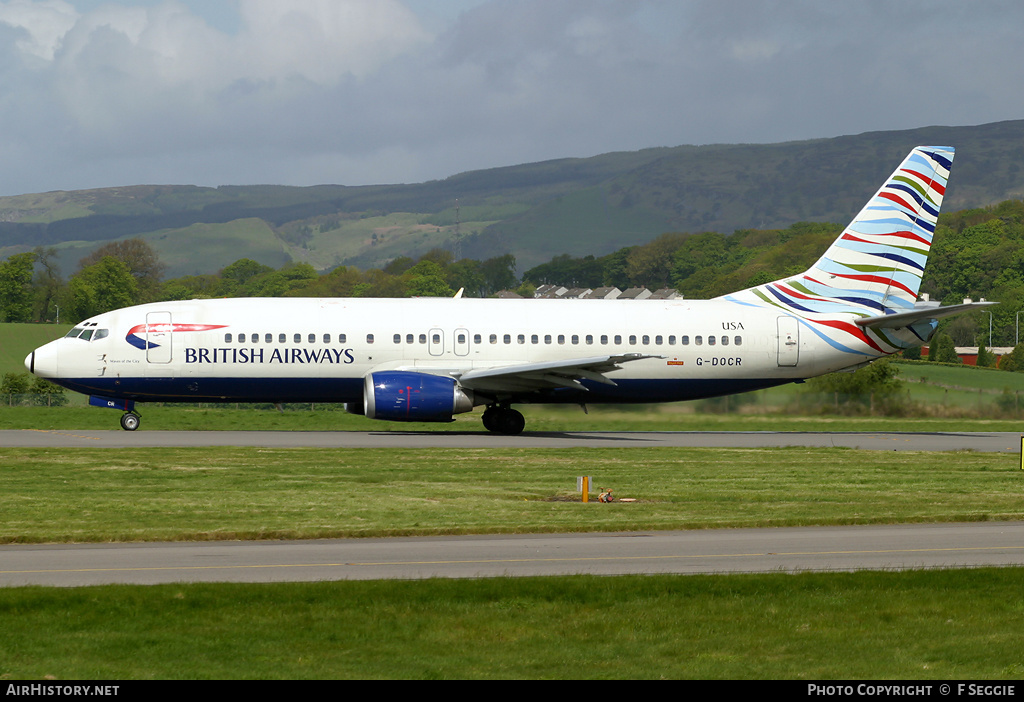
534, 211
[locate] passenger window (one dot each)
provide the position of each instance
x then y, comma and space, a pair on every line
698, 340
435, 338
423, 338
547, 338
632, 339
618, 340
575, 339
493, 338
671, 340
227, 338
737, 340
462, 338
312, 338
342, 338
254, 338
521, 338
269, 338
561, 338
725, 341
369, 338
590, 339
534, 339
297, 338
604, 339
327, 338
477, 339
397, 338
281, 338
241, 337
409, 338
684, 340
507, 338
711, 341
658, 340
646, 340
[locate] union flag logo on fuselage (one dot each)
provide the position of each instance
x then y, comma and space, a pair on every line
140, 342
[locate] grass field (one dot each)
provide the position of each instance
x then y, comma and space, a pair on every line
244, 493
962, 625
19, 340
958, 624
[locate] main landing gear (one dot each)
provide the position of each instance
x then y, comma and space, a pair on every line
503, 420
130, 421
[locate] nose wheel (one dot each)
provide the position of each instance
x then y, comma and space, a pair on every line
130, 421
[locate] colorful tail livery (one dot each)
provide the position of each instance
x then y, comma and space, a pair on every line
873, 270
429, 359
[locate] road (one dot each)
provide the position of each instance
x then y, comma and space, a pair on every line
683, 552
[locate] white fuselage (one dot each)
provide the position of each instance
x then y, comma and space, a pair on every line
291, 349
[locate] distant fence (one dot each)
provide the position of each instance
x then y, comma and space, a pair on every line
31, 399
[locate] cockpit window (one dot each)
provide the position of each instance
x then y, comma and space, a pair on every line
87, 333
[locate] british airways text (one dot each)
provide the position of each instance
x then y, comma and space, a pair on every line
256, 355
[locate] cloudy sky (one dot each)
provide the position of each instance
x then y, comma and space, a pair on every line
97, 93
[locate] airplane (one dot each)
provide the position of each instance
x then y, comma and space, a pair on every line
428, 359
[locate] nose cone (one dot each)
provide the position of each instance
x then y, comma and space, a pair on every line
43, 361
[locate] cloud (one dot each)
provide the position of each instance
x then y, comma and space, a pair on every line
360, 91
42, 25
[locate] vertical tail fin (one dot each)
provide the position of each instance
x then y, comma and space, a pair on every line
876, 264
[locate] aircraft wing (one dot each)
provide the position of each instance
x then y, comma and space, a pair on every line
548, 375
905, 319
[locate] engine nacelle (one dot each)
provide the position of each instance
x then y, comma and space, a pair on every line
405, 396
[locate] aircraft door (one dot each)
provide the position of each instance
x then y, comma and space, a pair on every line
789, 341
461, 342
435, 344
158, 337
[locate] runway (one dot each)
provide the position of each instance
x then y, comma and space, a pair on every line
1008, 442
680, 552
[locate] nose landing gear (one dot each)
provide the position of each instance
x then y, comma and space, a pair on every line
130, 421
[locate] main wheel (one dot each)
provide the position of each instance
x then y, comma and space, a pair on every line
489, 418
509, 422
130, 421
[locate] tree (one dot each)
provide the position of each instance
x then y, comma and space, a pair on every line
140, 259
16, 288
499, 273
876, 386
47, 284
14, 384
986, 359
101, 287
239, 274
427, 279
942, 350
1013, 361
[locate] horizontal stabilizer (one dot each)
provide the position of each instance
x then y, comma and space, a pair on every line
905, 319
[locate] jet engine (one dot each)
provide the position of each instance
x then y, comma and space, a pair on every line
405, 396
